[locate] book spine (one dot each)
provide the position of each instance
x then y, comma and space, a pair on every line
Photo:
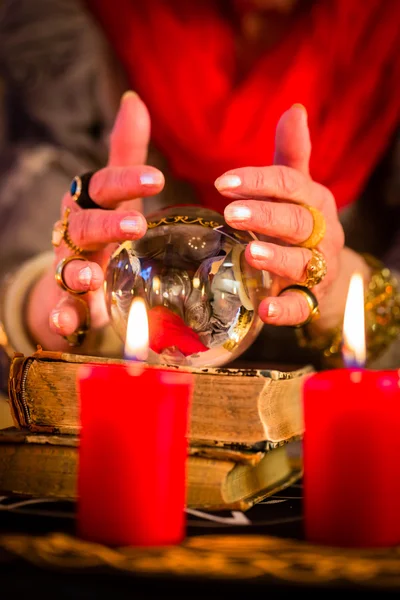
18, 373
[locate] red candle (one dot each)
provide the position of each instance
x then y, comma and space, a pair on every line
351, 453
132, 454
352, 458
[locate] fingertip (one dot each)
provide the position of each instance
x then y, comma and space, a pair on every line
260, 251
63, 321
130, 134
83, 277
300, 109
227, 182
237, 215
97, 278
133, 226
269, 310
248, 255
132, 103
151, 179
292, 139
294, 116
128, 94
251, 258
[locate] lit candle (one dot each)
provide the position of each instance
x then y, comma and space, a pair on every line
351, 446
137, 338
133, 447
354, 349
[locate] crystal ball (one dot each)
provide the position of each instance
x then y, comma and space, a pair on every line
200, 293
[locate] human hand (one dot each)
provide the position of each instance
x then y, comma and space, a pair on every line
54, 313
268, 201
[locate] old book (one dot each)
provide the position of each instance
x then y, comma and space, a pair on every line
231, 405
45, 465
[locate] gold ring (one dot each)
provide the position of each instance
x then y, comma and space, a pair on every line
77, 338
311, 301
60, 233
59, 274
319, 228
316, 269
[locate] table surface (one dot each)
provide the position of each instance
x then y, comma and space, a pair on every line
223, 553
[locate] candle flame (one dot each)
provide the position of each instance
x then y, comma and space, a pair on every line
137, 332
354, 351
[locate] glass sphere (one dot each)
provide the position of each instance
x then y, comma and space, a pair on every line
200, 293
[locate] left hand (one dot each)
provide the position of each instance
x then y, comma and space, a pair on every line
268, 202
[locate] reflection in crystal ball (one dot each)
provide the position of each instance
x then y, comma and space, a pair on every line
201, 294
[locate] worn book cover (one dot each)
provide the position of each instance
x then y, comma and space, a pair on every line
45, 465
231, 405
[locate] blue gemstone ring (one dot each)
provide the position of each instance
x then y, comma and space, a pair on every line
79, 191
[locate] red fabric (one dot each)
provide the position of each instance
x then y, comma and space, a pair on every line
167, 330
341, 60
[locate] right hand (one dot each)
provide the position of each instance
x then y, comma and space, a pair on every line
52, 312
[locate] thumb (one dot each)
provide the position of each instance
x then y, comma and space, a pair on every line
292, 140
130, 136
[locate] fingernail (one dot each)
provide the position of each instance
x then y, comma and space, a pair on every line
55, 317
131, 225
237, 213
227, 182
302, 107
85, 275
272, 310
152, 178
128, 94
260, 251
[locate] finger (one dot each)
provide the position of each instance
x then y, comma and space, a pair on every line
290, 263
274, 181
292, 140
286, 310
112, 185
91, 229
83, 276
130, 136
67, 316
290, 223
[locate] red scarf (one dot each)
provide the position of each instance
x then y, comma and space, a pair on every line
341, 60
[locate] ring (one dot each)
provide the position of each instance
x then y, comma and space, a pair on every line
59, 274
319, 228
60, 233
316, 269
311, 301
79, 191
77, 338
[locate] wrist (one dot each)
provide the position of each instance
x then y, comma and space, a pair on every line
382, 318
14, 296
332, 311
14, 336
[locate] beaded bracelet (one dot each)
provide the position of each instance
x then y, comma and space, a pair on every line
382, 319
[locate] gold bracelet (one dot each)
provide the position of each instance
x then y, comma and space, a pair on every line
328, 345
382, 309
382, 319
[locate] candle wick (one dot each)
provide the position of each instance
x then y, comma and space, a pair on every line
352, 359
135, 367
140, 355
